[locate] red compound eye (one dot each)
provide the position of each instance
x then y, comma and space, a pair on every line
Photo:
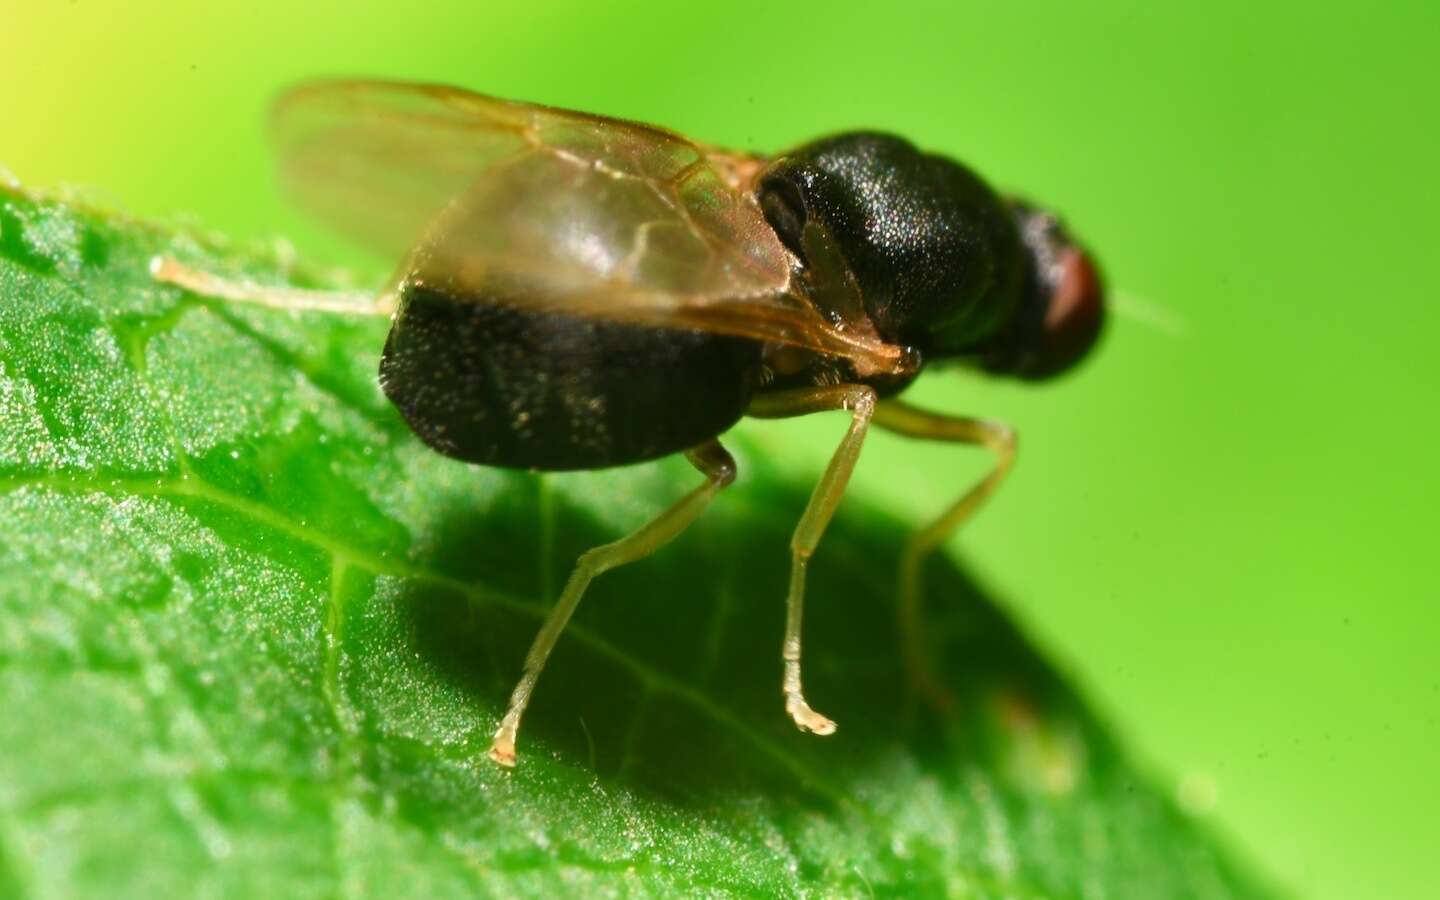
1073, 319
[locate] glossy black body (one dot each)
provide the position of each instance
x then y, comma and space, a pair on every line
939, 258
935, 250
523, 389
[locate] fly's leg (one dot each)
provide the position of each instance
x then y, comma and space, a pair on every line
207, 284
719, 469
860, 400
902, 418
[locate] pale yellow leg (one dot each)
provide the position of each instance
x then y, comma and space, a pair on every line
719, 468
207, 284
893, 415
860, 400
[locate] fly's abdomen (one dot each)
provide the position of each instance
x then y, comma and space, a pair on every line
525, 389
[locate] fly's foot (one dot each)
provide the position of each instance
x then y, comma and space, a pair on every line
807, 719
502, 747
922, 679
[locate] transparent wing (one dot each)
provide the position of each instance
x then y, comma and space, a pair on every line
531, 206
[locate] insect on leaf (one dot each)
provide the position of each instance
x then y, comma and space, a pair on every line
254, 639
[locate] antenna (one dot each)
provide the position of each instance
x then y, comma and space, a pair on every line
1147, 312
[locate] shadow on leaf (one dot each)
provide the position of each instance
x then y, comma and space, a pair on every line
668, 678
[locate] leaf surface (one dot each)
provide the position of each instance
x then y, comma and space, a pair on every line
254, 638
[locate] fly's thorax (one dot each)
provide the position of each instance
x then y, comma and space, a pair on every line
932, 254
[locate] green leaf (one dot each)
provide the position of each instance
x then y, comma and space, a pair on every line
254, 638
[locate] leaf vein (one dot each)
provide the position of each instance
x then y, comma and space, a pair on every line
192, 488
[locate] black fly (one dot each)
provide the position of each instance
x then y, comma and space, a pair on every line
580, 292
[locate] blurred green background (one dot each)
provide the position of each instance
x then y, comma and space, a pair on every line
1224, 527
